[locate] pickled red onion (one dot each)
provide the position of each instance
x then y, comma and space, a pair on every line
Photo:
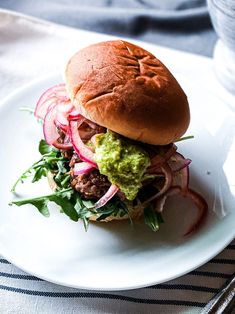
166, 170
49, 129
51, 123
161, 201
201, 205
82, 167
181, 178
160, 159
83, 151
65, 108
49, 97
107, 196
63, 111
177, 162
61, 126
196, 198
40, 111
74, 115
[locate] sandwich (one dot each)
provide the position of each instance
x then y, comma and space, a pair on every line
110, 132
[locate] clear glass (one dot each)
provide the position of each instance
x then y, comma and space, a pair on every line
222, 14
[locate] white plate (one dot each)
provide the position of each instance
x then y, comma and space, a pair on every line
115, 256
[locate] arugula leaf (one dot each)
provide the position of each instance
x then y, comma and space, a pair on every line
39, 173
31, 111
84, 212
88, 204
28, 109
86, 222
189, 137
66, 206
40, 202
78, 203
44, 148
115, 207
61, 198
152, 218
61, 166
52, 161
26, 175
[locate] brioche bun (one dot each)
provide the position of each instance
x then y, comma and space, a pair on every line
126, 89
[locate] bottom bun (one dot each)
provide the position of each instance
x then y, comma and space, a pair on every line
134, 214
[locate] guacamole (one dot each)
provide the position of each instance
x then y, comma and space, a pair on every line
122, 162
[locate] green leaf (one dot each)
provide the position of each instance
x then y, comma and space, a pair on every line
65, 183
85, 223
66, 193
115, 207
52, 161
28, 109
88, 204
62, 180
25, 175
189, 137
66, 206
61, 198
83, 212
44, 148
39, 173
160, 218
40, 203
61, 166
78, 203
103, 217
151, 218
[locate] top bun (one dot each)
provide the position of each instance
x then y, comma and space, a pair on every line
126, 89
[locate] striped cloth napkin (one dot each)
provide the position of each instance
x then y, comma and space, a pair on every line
24, 294
24, 41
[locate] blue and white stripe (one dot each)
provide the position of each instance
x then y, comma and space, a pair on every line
187, 294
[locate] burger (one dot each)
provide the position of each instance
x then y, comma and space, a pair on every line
110, 130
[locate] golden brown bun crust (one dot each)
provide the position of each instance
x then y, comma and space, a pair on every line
126, 89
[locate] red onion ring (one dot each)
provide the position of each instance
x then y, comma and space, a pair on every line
49, 97
195, 197
74, 115
158, 160
63, 111
82, 167
107, 196
60, 126
201, 205
49, 128
51, 123
65, 108
174, 190
177, 162
166, 170
181, 178
83, 151
41, 111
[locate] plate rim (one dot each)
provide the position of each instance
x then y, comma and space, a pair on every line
54, 77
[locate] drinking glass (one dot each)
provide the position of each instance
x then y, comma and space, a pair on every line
222, 13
